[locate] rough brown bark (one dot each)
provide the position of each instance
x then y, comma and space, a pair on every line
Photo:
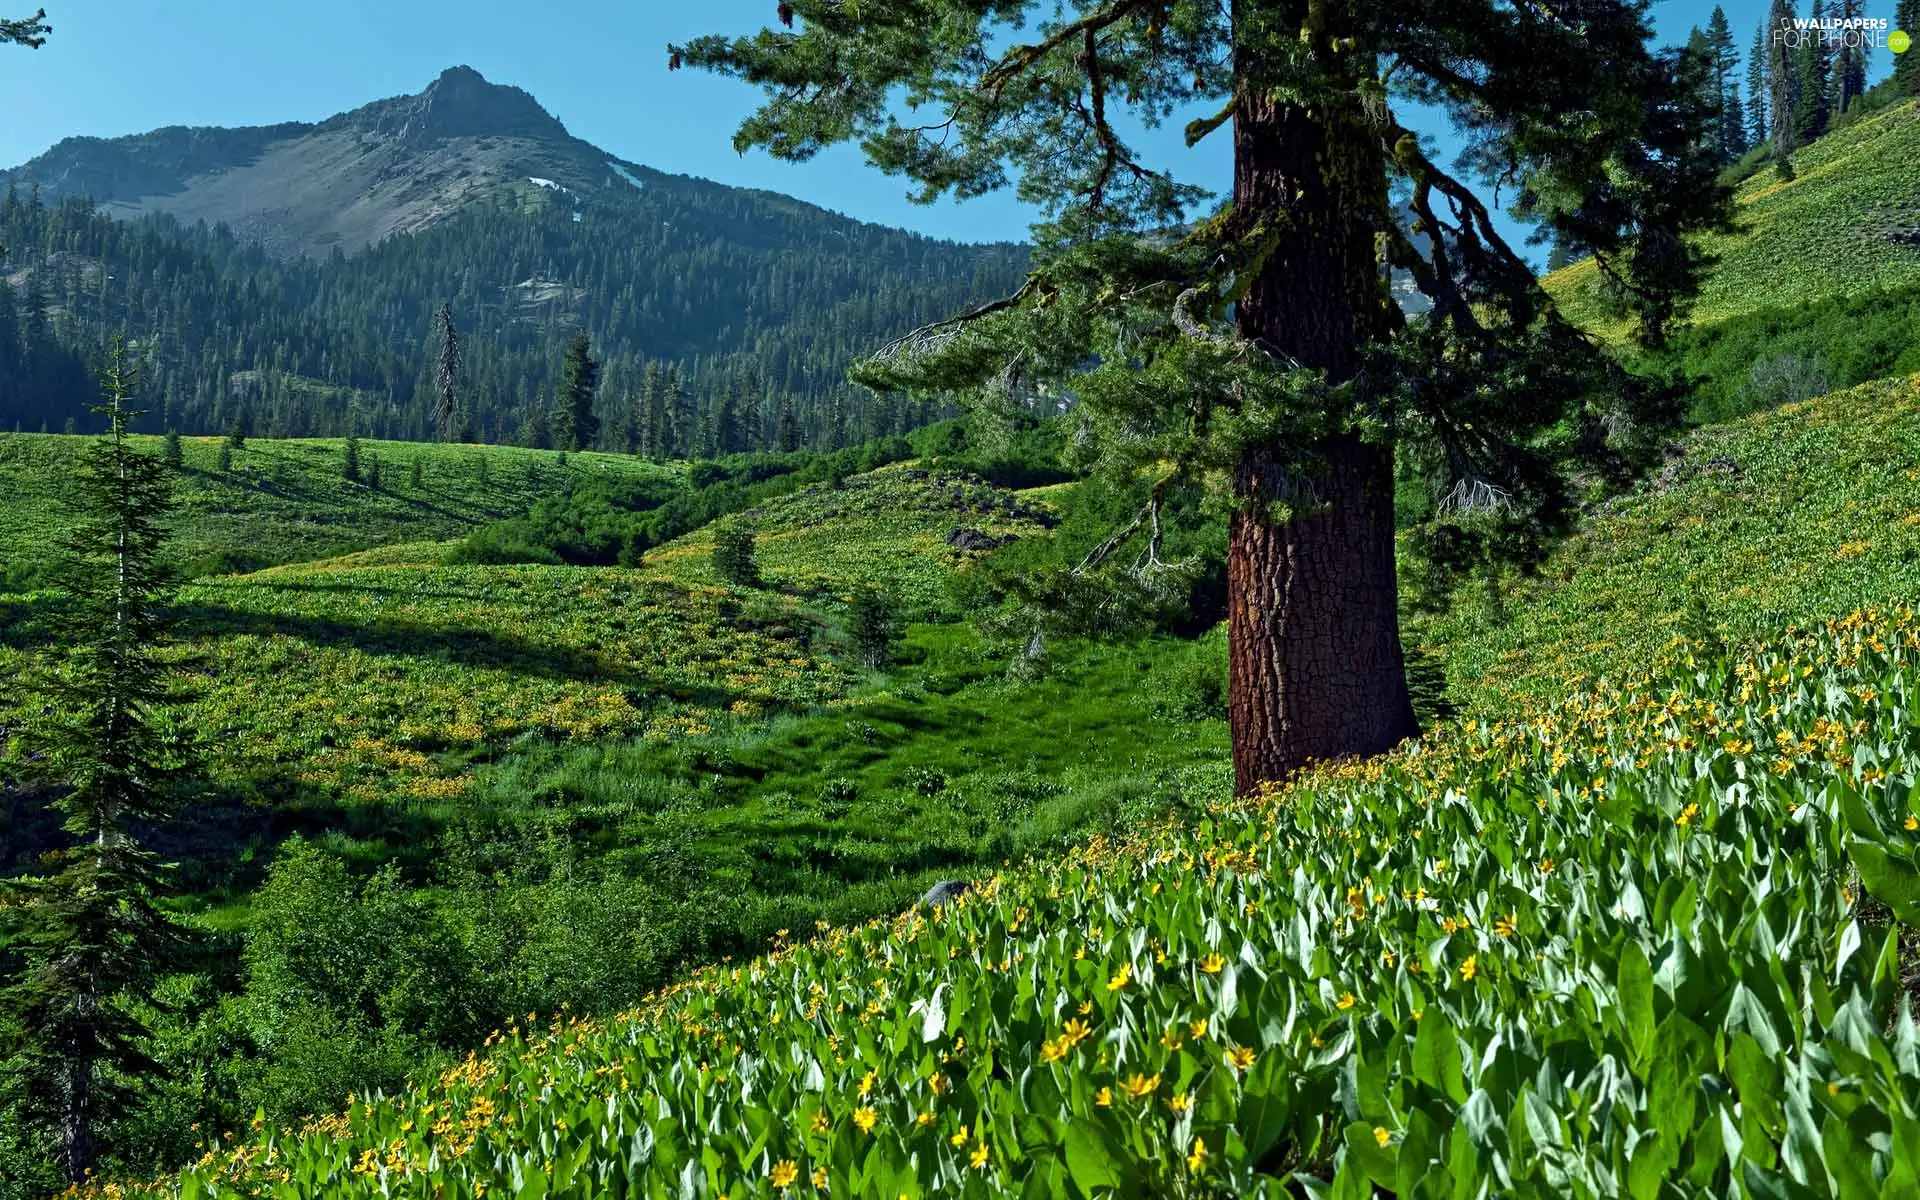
1316, 670
1315, 667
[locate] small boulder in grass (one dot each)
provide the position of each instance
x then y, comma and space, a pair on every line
945, 892
974, 539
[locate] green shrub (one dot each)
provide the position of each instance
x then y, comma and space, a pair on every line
870, 623
733, 554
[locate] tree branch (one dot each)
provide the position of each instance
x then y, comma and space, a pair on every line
31, 33
1019, 58
1198, 130
952, 325
1149, 516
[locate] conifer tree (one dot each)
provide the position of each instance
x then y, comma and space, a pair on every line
653, 413
1783, 85
1812, 65
1258, 347
350, 468
373, 471
1850, 61
679, 411
237, 432
1726, 84
1906, 67
170, 448
446, 414
574, 426
733, 558
1759, 124
786, 430
95, 935
871, 626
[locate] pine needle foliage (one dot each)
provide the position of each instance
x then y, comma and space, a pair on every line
93, 932
733, 558
1251, 348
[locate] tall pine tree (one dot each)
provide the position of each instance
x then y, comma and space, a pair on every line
1813, 67
446, 413
1258, 351
95, 935
1726, 85
1759, 126
1783, 84
1850, 60
1906, 67
575, 425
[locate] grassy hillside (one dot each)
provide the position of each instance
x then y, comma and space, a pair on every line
885, 528
288, 501
1524, 953
1781, 518
1823, 234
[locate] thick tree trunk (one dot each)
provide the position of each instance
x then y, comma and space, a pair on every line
1316, 671
1315, 667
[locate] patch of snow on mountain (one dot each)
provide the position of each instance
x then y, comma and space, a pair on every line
625, 174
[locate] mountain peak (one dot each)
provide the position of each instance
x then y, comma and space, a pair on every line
460, 103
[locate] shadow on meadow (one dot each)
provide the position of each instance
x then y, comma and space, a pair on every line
498, 649
318, 502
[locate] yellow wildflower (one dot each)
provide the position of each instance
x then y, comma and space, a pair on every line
784, 1173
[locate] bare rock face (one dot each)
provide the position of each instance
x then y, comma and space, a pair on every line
459, 104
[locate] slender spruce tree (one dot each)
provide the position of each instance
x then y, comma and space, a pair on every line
446, 412
1759, 126
575, 425
1726, 85
653, 413
1259, 347
1850, 60
1906, 67
95, 934
1783, 86
1813, 69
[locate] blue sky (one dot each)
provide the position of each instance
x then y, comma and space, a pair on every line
125, 66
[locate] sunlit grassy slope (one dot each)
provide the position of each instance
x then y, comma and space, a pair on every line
887, 528
1615, 935
1803, 512
1634, 930
288, 500
1823, 234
